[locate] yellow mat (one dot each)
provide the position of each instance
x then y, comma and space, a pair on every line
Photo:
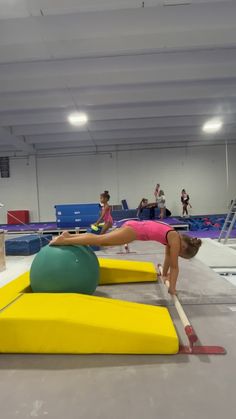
75, 323
115, 271
11, 291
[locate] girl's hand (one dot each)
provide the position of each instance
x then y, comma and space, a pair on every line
172, 291
166, 278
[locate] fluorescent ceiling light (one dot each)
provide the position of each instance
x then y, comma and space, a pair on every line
212, 126
78, 118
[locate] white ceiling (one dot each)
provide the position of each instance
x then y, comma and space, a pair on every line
147, 76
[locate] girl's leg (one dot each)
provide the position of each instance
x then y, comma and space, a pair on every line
117, 237
186, 209
105, 228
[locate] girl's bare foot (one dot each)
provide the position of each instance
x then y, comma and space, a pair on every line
59, 240
66, 234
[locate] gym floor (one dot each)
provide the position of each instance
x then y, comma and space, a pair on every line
111, 387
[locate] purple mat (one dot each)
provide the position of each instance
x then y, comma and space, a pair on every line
29, 227
52, 226
173, 221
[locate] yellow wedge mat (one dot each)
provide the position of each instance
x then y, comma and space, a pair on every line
75, 323
112, 271
10, 292
115, 271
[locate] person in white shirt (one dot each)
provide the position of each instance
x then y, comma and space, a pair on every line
161, 202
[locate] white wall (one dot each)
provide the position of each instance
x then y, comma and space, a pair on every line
19, 191
131, 175
74, 179
200, 170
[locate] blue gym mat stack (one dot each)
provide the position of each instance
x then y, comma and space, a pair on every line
76, 215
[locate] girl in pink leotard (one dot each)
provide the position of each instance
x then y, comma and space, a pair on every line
106, 213
175, 244
150, 231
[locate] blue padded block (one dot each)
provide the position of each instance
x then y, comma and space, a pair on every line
77, 209
26, 245
145, 214
119, 215
124, 204
132, 213
85, 221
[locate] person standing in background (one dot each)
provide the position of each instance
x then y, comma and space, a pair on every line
185, 202
157, 190
161, 202
105, 216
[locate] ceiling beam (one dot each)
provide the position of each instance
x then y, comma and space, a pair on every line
126, 113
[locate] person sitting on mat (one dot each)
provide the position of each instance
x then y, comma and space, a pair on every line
176, 244
105, 213
144, 204
185, 202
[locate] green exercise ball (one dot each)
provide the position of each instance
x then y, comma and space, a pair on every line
65, 269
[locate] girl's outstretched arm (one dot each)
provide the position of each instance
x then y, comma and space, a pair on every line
166, 264
174, 246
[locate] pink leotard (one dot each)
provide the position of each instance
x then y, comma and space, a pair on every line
107, 217
150, 230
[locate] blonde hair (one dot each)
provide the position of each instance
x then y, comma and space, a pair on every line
193, 245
